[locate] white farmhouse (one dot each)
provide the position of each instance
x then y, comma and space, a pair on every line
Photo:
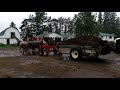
51, 34
55, 35
107, 37
10, 35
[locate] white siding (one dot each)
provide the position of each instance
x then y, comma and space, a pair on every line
107, 38
7, 35
3, 41
13, 41
53, 35
104, 38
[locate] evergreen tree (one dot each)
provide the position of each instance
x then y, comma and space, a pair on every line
110, 23
27, 28
71, 27
40, 19
100, 21
117, 27
85, 24
12, 24
106, 23
23, 27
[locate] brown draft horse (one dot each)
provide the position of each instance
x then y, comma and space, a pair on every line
24, 46
27, 45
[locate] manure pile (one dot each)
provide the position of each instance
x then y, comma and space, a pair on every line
88, 39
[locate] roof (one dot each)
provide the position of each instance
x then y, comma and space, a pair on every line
116, 40
2, 33
41, 35
54, 33
106, 34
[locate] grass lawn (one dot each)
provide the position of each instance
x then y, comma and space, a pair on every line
3, 46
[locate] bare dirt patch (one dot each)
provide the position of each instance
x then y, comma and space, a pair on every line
14, 65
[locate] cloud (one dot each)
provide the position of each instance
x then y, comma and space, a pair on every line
61, 14
17, 17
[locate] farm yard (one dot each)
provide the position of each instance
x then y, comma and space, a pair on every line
15, 65
46, 47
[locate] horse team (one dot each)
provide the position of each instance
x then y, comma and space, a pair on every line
27, 46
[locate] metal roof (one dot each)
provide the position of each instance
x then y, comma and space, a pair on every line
2, 33
106, 34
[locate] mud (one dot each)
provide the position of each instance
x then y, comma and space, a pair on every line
14, 65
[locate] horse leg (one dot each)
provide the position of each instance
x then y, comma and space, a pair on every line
23, 51
33, 51
20, 50
28, 51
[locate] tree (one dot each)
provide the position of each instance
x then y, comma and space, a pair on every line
32, 25
85, 24
40, 19
26, 28
50, 28
106, 23
66, 24
117, 27
49, 24
100, 21
71, 27
61, 25
12, 24
23, 27
55, 26
65, 30
109, 22
113, 23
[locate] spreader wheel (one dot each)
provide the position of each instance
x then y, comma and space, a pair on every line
45, 52
75, 54
40, 52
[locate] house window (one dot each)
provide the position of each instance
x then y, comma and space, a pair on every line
101, 36
12, 34
57, 39
110, 37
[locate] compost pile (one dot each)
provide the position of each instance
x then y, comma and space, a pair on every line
86, 39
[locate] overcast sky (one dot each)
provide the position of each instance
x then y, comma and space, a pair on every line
17, 17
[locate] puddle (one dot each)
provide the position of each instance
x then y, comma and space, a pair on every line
7, 70
117, 59
9, 53
31, 75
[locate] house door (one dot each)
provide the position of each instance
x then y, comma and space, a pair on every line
8, 41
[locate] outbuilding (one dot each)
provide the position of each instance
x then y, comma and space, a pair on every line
107, 37
53, 35
10, 35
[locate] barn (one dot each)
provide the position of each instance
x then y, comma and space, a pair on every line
10, 35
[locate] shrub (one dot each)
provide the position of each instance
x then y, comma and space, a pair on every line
1, 44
